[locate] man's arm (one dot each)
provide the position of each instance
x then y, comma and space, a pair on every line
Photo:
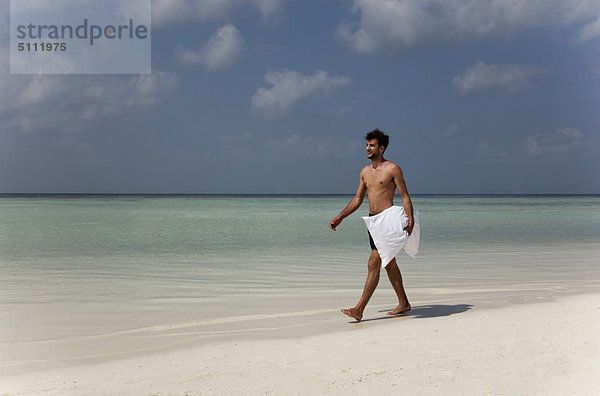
406, 202
353, 205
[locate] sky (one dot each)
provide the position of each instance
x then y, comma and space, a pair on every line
275, 96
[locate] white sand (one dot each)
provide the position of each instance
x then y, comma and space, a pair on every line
546, 348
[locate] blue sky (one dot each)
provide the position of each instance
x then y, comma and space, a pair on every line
275, 96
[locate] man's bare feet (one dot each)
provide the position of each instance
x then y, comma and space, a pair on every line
353, 313
400, 309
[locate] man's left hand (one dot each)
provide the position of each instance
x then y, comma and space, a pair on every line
409, 227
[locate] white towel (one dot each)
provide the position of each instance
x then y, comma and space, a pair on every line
387, 231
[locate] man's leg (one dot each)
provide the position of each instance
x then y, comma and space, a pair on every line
370, 285
396, 281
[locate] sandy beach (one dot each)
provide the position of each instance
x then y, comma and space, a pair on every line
544, 348
181, 310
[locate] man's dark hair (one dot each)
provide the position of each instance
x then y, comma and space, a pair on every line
382, 138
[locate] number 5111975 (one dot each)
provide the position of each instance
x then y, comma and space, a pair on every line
45, 47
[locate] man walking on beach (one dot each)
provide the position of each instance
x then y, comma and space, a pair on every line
381, 179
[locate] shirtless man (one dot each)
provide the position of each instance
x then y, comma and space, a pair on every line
381, 179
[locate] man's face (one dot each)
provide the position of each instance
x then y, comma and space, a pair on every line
372, 148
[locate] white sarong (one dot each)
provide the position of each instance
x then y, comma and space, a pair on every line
387, 231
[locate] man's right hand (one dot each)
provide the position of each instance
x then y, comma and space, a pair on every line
409, 227
335, 222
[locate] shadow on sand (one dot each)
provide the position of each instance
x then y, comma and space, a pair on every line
425, 311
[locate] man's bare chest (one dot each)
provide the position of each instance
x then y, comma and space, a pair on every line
379, 180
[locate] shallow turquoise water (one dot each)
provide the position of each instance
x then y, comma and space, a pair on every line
92, 264
224, 228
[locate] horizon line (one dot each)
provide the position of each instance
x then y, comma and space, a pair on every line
119, 194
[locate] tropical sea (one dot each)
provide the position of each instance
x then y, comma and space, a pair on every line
99, 277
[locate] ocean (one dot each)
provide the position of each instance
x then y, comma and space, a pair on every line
77, 268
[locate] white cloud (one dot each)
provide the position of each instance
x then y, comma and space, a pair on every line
590, 31
560, 143
174, 11
221, 50
268, 7
288, 87
482, 76
399, 24
35, 90
70, 103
